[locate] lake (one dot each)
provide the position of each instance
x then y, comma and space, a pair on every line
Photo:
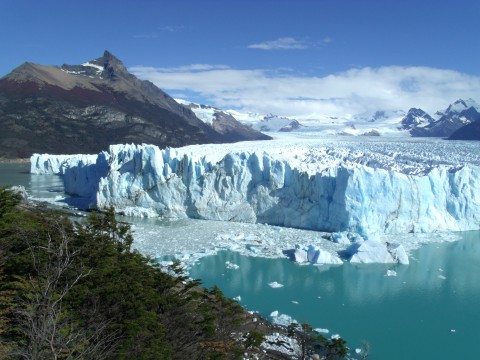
429, 310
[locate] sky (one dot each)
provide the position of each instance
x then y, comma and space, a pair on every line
301, 58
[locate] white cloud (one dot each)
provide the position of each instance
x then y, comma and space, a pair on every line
285, 43
156, 34
350, 92
183, 69
172, 28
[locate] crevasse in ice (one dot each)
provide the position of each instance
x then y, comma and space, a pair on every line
351, 193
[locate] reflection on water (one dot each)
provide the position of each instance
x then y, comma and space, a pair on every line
428, 311
42, 187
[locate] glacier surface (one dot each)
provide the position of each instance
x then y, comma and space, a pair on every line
366, 187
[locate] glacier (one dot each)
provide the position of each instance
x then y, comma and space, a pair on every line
334, 186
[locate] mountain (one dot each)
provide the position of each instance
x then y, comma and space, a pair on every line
272, 123
85, 108
222, 122
467, 132
268, 123
456, 116
416, 118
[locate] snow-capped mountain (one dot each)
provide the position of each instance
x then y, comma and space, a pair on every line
267, 123
416, 118
223, 122
261, 123
446, 122
391, 123
273, 123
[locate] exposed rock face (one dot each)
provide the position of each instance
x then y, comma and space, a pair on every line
223, 122
416, 118
85, 108
467, 132
456, 116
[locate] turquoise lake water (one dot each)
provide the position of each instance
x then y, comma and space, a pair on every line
429, 310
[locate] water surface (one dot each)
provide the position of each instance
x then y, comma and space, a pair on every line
428, 311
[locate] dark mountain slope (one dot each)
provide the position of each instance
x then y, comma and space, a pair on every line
467, 132
85, 108
457, 115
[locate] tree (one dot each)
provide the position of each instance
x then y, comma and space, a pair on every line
311, 342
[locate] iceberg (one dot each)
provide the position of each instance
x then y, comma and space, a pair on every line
373, 251
275, 285
316, 186
340, 238
311, 254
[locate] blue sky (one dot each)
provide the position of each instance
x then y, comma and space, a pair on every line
300, 57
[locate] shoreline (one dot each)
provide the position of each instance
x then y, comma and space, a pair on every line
14, 161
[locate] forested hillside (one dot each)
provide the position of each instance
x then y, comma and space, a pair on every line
79, 291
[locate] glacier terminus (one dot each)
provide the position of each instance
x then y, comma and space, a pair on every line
363, 186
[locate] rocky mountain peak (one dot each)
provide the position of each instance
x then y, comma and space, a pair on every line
416, 118
112, 66
87, 107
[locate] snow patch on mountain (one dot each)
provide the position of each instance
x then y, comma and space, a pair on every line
203, 112
391, 123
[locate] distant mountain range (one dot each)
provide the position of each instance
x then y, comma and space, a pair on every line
444, 123
215, 116
85, 108
416, 122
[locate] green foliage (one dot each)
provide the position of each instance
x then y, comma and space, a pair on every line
311, 342
8, 201
254, 339
79, 291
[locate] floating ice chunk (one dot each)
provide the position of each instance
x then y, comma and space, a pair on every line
232, 266
371, 251
319, 256
274, 313
275, 285
322, 331
335, 336
372, 236
358, 351
391, 273
237, 298
341, 238
294, 302
312, 255
254, 249
453, 330
300, 256
398, 252
442, 277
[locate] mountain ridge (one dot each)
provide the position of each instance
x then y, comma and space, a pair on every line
85, 108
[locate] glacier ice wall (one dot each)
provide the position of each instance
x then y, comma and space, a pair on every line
257, 186
56, 164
